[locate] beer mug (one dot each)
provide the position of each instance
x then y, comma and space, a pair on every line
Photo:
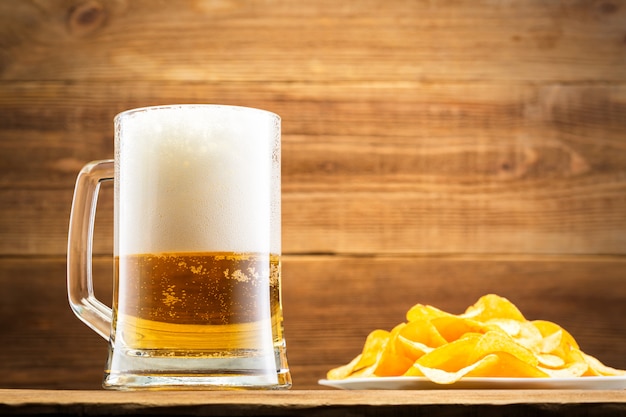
197, 250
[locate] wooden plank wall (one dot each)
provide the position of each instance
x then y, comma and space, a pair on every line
433, 152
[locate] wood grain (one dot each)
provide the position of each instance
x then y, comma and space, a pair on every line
525, 169
277, 40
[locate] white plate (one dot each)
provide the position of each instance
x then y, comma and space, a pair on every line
421, 383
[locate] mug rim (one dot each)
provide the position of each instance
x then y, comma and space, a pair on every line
190, 105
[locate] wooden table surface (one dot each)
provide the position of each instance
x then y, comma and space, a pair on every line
313, 403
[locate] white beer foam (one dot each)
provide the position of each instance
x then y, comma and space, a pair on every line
198, 178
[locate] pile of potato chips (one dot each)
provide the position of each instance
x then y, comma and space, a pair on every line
491, 339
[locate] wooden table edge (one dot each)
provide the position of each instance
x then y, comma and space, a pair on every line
309, 397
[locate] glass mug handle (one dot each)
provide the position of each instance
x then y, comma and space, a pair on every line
79, 248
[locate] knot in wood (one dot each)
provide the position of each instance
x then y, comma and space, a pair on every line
86, 18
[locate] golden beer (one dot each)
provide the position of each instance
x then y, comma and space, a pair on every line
197, 304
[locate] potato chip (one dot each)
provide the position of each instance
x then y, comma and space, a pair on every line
548, 328
363, 364
492, 306
423, 331
550, 361
411, 349
453, 327
597, 368
344, 371
374, 345
529, 336
452, 356
551, 342
509, 326
392, 361
503, 364
420, 312
572, 370
492, 338
499, 364
441, 376
500, 342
